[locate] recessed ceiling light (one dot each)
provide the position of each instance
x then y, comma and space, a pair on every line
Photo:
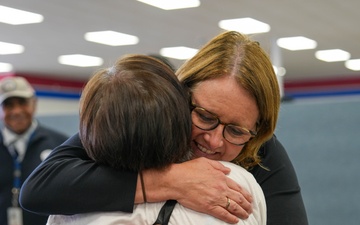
245, 25
353, 64
80, 60
172, 4
296, 43
180, 52
280, 71
8, 48
111, 38
5, 67
332, 55
16, 17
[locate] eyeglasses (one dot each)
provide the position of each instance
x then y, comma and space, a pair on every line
206, 120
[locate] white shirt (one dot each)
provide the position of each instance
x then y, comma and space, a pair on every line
146, 214
20, 142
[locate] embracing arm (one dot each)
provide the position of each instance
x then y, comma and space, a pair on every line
68, 182
280, 185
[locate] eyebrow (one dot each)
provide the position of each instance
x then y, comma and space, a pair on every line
235, 124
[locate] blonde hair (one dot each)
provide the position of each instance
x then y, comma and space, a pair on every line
234, 54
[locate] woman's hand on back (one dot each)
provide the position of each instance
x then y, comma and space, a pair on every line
202, 185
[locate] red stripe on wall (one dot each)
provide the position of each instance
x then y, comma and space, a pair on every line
323, 83
49, 81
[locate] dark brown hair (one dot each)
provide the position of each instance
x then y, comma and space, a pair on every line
135, 115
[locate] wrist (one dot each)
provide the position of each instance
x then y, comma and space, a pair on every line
159, 185
142, 186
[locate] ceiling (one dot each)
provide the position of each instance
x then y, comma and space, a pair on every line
332, 23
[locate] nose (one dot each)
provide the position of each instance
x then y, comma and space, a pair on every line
215, 137
16, 109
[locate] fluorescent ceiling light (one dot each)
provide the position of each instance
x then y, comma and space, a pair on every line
180, 52
332, 55
8, 48
5, 67
111, 38
16, 17
280, 71
172, 4
245, 25
353, 64
296, 43
80, 60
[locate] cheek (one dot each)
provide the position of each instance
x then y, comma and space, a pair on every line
29, 111
6, 114
232, 151
195, 132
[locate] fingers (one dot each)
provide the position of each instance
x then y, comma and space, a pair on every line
237, 188
208, 192
239, 194
239, 210
239, 205
224, 215
228, 211
217, 165
227, 203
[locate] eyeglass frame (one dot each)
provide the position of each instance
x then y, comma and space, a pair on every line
252, 133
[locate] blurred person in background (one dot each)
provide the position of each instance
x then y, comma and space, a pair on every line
24, 144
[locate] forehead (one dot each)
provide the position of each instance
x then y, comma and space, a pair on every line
13, 100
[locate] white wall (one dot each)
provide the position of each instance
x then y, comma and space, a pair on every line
57, 106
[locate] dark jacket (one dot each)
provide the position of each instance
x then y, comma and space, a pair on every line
42, 139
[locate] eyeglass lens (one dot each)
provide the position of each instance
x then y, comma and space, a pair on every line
208, 121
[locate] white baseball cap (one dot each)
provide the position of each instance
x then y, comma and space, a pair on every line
15, 87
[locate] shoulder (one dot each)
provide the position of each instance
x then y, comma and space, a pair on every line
272, 146
244, 178
236, 170
278, 166
44, 137
49, 132
273, 154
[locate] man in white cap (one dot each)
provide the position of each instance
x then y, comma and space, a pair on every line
23, 145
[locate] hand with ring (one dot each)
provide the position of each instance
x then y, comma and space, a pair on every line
227, 203
200, 191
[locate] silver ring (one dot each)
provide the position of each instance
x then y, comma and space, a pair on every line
227, 203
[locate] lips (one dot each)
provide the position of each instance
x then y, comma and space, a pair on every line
205, 150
